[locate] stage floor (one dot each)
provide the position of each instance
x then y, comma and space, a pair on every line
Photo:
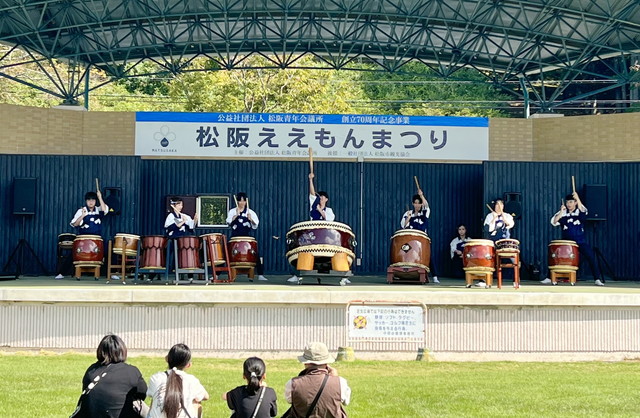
278, 290
534, 323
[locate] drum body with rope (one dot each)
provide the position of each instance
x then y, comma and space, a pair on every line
507, 246
410, 248
563, 255
189, 253
153, 252
321, 246
479, 255
88, 250
243, 252
65, 241
128, 242
215, 248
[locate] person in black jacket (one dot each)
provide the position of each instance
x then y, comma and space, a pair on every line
120, 389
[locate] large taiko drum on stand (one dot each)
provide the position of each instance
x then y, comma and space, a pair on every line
479, 255
153, 252
563, 256
127, 241
215, 248
243, 252
189, 253
321, 246
410, 248
88, 250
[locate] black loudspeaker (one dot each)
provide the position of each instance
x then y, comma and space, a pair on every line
113, 199
188, 207
24, 196
595, 199
513, 204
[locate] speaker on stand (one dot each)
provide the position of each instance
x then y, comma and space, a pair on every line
24, 204
595, 199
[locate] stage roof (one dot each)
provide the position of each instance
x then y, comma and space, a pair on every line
511, 41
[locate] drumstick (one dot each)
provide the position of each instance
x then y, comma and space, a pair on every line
97, 185
235, 199
490, 208
311, 160
247, 205
573, 183
416, 180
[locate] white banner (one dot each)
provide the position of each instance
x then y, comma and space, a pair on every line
289, 136
386, 323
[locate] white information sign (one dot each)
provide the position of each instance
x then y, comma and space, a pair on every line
289, 136
386, 323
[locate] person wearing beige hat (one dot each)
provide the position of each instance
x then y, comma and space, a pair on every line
317, 391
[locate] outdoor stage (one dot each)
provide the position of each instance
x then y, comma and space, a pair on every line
275, 319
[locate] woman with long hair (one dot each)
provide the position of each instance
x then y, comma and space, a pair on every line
175, 393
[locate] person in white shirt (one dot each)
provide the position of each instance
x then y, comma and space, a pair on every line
178, 224
318, 209
457, 247
242, 220
174, 392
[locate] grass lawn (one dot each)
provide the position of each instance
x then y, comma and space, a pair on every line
48, 385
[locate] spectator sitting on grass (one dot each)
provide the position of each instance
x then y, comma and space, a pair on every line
115, 389
174, 393
255, 399
318, 391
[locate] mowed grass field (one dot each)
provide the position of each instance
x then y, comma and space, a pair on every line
48, 385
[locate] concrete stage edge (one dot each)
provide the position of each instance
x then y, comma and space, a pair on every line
274, 320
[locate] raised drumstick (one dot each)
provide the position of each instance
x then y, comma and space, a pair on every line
311, 160
416, 180
573, 183
97, 185
490, 208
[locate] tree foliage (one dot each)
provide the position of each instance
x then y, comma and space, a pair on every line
254, 87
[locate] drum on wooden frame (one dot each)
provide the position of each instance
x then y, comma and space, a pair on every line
410, 248
479, 255
127, 243
243, 252
563, 255
65, 240
215, 248
88, 250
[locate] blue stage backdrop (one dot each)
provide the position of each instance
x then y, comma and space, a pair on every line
278, 191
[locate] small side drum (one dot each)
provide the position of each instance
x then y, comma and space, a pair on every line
189, 253
479, 255
243, 252
215, 248
507, 246
153, 252
563, 256
88, 250
66, 241
410, 248
128, 242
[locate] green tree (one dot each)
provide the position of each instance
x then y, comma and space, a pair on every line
418, 90
252, 88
